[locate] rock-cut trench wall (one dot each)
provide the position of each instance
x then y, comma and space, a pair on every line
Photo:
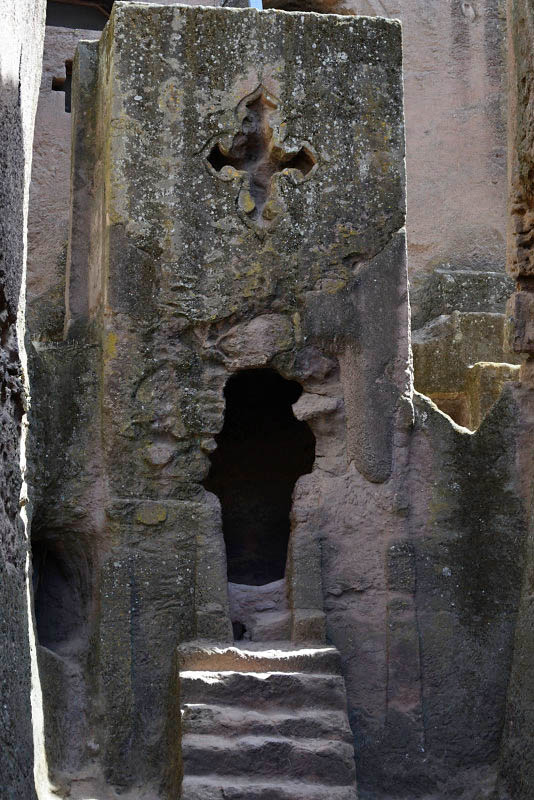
21, 42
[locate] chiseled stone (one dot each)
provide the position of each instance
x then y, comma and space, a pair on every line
447, 346
151, 514
516, 767
193, 258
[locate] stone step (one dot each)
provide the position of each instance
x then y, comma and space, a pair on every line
259, 657
265, 758
220, 787
219, 720
258, 690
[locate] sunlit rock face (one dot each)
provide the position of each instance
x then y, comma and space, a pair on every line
20, 66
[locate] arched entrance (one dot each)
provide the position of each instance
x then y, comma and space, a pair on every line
262, 451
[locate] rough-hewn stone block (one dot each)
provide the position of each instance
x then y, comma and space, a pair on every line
239, 178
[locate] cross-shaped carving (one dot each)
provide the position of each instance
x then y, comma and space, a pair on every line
254, 151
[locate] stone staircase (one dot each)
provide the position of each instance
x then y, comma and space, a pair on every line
265, 723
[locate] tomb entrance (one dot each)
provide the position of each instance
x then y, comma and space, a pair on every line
261, 452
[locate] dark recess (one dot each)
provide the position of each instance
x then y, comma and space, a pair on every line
60, 588
84, 14
65, 85
262, 450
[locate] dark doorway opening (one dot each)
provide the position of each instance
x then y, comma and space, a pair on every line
261, 451
60, 590
84, 14
65, 85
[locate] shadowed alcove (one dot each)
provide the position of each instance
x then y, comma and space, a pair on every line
61, 592
261, 451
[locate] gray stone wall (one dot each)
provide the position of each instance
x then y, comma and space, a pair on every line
455, 77
20, 66
468, 528
455, 99
49, 209
181, 273
456, 107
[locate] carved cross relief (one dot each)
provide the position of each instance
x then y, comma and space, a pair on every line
256, 157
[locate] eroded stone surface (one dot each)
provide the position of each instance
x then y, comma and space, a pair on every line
175, 284
247, 732
449, 290
516, 769
49, 208
444, 352
468, 529
485, 382
191, 287
21, 45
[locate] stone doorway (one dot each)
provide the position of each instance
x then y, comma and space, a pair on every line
261, 452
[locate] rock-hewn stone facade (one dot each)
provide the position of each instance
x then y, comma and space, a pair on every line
517, 768
188, 264
263, 566
238, 210
455, 100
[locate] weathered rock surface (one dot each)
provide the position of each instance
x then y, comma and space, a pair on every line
261, 612
21, 42
468, 530
455, 78
295, 275
49, 206
259, 657
456, 106
459, 321
446, 350
449, 290
447, 346
456, 152
485, 382
245, 212
516, 767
